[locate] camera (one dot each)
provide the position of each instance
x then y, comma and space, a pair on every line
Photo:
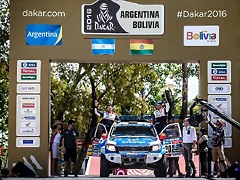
164, 99
197, 118
188, 131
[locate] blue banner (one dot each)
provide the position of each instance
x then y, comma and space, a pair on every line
43, 35
29, 64
219, 71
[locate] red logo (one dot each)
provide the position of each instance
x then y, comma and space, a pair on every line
29, 71
120, 171
28, 105
28, 124
176, 141
220, 78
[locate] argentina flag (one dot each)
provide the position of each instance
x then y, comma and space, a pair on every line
103, 46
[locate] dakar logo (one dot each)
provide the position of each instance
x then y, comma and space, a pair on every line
104, 19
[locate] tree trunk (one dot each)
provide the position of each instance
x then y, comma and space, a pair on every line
171, 104
184, 92
92, 128
88, 138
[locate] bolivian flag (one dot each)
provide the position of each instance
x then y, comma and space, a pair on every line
141, 47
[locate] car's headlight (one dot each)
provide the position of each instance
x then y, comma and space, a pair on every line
155, 147
111, 147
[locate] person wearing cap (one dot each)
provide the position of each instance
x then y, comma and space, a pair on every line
203, 150
54, 146
189, 142
217, 143
108, 117
160, 115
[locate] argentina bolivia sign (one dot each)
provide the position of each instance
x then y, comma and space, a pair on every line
114, 17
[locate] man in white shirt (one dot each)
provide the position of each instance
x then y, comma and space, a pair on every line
189, 142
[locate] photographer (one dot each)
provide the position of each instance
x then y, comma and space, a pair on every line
160, 114
189, 142
217, 143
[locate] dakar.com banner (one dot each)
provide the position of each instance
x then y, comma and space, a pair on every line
42, 13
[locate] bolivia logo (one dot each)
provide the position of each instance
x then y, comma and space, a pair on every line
141, 46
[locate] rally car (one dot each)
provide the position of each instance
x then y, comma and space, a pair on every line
132, 145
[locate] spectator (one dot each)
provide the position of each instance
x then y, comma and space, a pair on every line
160, 115
189, 142
217, 143
54, 147
203, 150
69, 143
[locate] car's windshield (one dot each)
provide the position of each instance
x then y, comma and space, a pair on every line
133, 130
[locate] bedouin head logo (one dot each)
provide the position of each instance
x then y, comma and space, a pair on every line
104, 15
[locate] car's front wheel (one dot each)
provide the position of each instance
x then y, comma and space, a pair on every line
162, 170
104, 166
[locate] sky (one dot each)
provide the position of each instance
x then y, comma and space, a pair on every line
193, 87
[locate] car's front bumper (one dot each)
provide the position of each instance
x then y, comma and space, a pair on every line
127, 159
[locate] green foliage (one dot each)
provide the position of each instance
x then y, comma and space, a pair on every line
132, 88
4, 72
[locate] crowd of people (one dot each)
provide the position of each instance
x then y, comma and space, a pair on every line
68, 140
195, 140
209, 148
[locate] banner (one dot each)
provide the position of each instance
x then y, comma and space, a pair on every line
114, 17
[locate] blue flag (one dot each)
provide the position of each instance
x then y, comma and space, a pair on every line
103, 46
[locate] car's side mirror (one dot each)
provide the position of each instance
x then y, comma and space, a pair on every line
162, 136
104, 136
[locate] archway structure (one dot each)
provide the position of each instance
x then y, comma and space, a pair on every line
43, 30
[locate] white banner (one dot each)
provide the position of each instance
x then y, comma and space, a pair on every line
28, 88
28, 71
28, 115
27, 141
219, 88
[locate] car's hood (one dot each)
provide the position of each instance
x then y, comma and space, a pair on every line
131, 141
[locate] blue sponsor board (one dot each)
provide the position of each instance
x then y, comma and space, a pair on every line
219, 71
27, 141
43, 35
221, 99
29, 64
29, 117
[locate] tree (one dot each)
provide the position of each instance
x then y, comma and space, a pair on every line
4, 71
